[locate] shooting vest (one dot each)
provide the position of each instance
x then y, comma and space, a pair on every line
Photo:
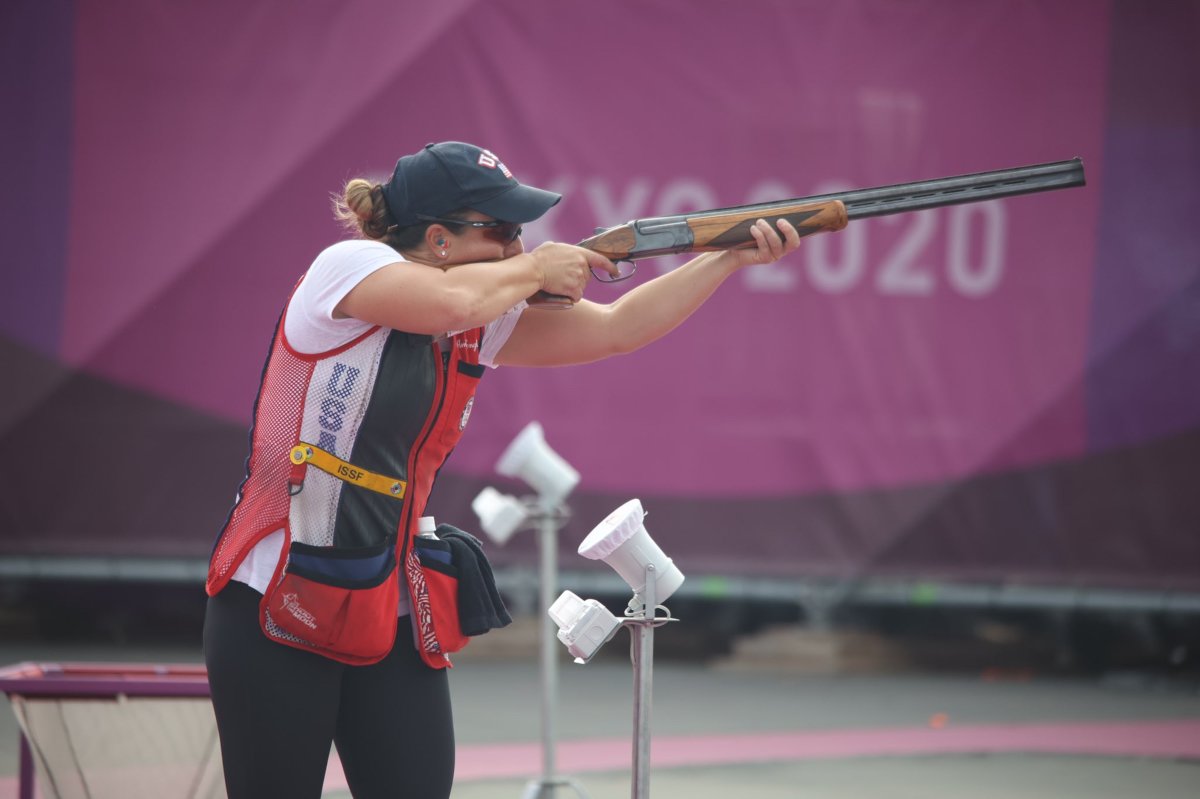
344, 449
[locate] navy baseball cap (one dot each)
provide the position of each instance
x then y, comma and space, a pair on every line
446, 176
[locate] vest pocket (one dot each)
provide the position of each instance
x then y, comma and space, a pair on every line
441, 588
460, 398
340, 601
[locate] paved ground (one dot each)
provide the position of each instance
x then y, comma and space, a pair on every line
783, 733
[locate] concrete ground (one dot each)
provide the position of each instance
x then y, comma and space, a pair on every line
785, 729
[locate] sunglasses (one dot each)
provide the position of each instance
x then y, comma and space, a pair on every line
497, 231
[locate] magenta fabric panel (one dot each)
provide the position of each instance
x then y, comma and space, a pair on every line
901, 351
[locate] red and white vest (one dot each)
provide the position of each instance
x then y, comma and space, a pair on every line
344, 450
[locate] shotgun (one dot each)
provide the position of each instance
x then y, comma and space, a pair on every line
729, 228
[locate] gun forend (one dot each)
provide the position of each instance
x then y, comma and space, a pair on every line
653, 237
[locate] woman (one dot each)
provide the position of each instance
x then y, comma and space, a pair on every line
368, 387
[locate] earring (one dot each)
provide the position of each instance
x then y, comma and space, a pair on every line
443, 253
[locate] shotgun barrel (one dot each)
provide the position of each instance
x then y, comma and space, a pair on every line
729, 228
977, 187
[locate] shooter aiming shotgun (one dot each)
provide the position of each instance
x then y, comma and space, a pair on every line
729, 228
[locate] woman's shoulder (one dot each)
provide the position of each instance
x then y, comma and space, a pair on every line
311, 324
350, 260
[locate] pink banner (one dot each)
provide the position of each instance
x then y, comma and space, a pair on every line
1000, 390
900, 351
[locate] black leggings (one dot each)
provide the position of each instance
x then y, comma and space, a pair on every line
278, 709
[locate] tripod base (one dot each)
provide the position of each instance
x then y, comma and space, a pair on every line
547, 788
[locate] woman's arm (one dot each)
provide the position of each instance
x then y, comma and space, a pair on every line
590, 332
419, 298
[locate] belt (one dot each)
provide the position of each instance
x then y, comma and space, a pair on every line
329, 463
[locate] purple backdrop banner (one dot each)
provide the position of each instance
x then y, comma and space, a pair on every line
885, 367
904, 350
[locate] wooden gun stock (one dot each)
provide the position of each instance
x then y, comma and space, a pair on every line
729, 228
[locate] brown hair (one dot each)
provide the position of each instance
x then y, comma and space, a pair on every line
363, 211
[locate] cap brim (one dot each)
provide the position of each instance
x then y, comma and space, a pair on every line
519, 204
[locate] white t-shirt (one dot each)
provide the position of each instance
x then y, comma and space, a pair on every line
310, 327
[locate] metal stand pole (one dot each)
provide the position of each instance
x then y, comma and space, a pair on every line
548, 521
28, 771
548, 544
642, 649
